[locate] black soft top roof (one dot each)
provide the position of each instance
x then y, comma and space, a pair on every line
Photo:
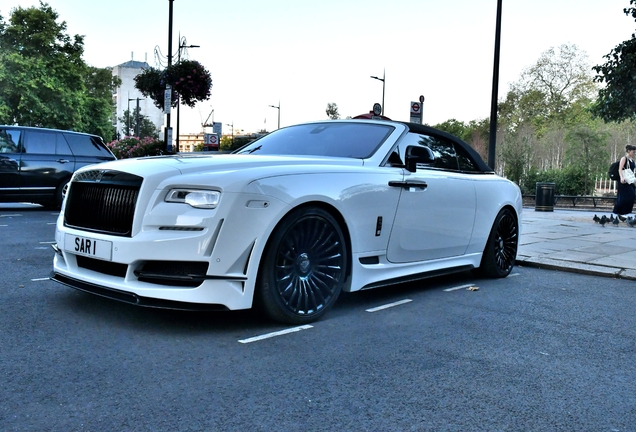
421, 129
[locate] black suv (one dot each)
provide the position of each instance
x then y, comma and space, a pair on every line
36, 164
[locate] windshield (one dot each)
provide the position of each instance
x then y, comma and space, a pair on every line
336, 139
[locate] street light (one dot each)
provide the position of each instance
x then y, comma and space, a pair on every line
278, 108
182, 45
383, 83
136, 117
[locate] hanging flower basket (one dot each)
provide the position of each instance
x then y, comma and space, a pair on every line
190, 81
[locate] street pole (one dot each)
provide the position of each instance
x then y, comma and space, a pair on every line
383, 79
137, 120
492, 140
168, 134
278, 108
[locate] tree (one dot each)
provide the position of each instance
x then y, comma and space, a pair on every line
146, 127
332, 111
43, 79
587, 152
617, 99
100, 85
562, 75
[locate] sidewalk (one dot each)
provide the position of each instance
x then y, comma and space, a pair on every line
570, 240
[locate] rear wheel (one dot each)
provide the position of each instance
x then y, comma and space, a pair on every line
501, 248
303, 267
60, 194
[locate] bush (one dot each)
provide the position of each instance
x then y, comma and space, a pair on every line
131, 147
567, 181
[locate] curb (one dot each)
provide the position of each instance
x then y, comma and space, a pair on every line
574, 267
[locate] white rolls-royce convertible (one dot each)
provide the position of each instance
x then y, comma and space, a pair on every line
287, 222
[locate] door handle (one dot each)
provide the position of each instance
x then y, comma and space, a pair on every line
409, 184
63, 161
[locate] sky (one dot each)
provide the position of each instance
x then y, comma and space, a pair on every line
301, 55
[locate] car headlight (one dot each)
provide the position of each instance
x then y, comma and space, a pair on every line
203, 199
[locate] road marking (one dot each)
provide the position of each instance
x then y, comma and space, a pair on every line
386, 306
274, 334
514, 274
40, 279
51, 223
11, 215
42, 248
47, 242
4, 225
459, 287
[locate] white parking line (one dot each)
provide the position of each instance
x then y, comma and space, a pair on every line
51, 223
274, 334
514, 274
11, 215
459, 287
4, 225
386, 306
48, 242
40, 279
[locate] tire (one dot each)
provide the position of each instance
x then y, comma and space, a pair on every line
60, 194
303, 268
500, 252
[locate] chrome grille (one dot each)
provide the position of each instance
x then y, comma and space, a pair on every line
103, 201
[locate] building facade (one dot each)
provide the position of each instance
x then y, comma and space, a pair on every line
126, 97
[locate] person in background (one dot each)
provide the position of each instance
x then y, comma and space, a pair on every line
625, 193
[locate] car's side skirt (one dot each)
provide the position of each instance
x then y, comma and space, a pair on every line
418, 276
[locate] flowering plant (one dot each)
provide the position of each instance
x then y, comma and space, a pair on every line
190, 81
131, 147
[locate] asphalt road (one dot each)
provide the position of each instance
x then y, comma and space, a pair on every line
538, 351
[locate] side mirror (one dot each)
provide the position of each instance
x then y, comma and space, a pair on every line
418, 155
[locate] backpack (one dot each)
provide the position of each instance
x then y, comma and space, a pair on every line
613, 171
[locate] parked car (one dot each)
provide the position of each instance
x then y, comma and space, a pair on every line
36, 164
288, 221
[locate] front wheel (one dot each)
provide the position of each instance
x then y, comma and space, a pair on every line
303, 267
500, 252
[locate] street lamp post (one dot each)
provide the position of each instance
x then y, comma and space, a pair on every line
128, 119
383, 83
168, 133
136, 117
278, 108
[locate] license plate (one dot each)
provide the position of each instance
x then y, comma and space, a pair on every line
89, 247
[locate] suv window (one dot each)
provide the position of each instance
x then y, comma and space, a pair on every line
9, 140
36, 142
85, 145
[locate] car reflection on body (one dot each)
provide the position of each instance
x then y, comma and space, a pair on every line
287, 222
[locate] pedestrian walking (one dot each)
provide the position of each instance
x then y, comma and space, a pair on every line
625, 188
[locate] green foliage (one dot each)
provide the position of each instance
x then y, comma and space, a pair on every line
455, 127
146, 127
332, 111
131, 147
567, 181
229, 143
587, 152
190, 82
43, 79
617, 99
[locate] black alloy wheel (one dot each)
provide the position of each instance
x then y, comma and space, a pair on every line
501, 248
303, 268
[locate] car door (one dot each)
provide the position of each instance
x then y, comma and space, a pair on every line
46, 161
436, 210
9, 162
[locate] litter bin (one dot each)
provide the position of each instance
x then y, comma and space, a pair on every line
544, 197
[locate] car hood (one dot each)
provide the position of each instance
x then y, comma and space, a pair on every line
225, 170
